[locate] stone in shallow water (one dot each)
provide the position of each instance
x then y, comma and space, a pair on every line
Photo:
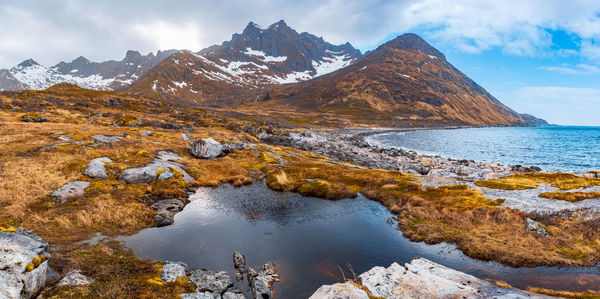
97, 169
340, 291
172, 270
211, 281
23, 264
239, 262
75, 278
70, 190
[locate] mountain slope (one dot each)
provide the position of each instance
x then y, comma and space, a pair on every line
405, 79
256, 58
107, 75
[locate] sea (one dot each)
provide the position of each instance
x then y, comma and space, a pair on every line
552, 148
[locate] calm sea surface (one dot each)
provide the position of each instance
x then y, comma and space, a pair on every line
561, 148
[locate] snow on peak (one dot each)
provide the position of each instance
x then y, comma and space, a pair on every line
265, 57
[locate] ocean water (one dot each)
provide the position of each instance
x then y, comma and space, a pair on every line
558, 148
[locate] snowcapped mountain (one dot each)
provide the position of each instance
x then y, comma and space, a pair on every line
258, 57
107, 75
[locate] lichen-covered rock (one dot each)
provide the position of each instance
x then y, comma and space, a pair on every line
23, 263
425, 279
32, 118
206, 148
97, 169
233, 293
211, 281
340, 291
171, 271
200, 295
160, 165
261, 283
75, 278
536, 229
70, 190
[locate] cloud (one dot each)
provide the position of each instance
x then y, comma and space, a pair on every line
64, 29
580, 69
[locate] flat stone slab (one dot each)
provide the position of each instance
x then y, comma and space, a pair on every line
211, 281
172, 270
106, 139
75, 278
97, 169
340, 291
149, 173
23, 264
70, 190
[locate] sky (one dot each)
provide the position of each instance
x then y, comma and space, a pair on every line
536, 56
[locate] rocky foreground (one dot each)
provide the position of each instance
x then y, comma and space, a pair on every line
420, 278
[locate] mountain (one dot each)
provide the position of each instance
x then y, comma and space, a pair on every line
107, 75
258, 57
406, 80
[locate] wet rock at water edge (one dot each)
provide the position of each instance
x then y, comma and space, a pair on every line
23, 263
536, 229
340, 291
261, 283
171, 271
206, 148
70, 190
211, 281
167, 209
239, 262
74, 278
97, 169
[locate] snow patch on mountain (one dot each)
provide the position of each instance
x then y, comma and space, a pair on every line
37, 76
264, 57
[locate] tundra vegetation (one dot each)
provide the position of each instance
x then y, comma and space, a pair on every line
34, 163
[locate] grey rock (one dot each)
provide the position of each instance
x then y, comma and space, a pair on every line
233, 146
535, 228
97, 169
146, 134
19, 249
425, 279
149, 173
210, 280
262, 283
34, 119
173, 205
106, 139
70, 190
172, 270
139, 175
164, 219
206, 148
340, 291
166, 175
75, 278
233, 294
187, 137
65, 138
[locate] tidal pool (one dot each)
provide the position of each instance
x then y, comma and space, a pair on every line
311, 239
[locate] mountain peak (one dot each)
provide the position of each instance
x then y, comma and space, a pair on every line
132, 55
27, 63
279, 24
413, 42
80, 59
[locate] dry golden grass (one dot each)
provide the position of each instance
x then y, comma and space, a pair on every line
563, 181
570, 196
564, 294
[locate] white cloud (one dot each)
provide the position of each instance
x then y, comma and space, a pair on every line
580, 69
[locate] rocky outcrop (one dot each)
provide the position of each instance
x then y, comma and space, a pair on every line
216, 282
70, 190
97, 169
206, 148
422, 278
75, 278
23, 263
162, 167
261, 283
101, 139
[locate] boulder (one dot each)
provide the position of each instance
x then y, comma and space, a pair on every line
167, 209
23, 263
212, 281
233, 294
97, 169
206, 148
159, 168
171, 271
261, 283
340, 291
70, 190
74, 278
